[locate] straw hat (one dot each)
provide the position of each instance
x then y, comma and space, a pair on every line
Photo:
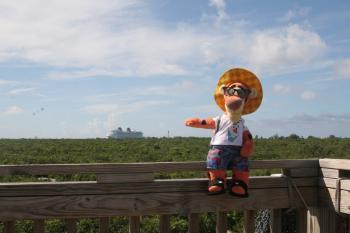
248, 79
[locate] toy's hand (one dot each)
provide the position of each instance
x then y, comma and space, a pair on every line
199, 123
192, 122
248, 144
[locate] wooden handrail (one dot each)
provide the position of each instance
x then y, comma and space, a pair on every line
343, 164
114, 193
46, 169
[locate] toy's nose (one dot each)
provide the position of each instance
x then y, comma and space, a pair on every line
234, 103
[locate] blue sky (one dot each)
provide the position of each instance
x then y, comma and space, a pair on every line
77, 69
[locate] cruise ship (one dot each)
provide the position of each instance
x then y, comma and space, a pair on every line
119, 133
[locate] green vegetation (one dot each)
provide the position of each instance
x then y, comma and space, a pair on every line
56, 151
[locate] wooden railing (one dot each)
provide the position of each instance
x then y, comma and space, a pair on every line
309, 186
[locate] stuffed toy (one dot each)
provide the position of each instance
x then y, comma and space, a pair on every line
237, 93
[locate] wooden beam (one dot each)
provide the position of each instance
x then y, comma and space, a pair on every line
342, 164
71, 225
193, 223
322, 220
221, 222
9, 227
35, 207
276, 221
249, 221
46, 169
331, 183
39, 226
104, 223
327, 199
134, 224
94, 188
164, 223
301, 220
303, 172
125, 178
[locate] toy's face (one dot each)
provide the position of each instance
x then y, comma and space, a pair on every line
235, 96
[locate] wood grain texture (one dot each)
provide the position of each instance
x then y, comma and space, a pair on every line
342, 164
125, 178
46, 169
73, 206
158, 186
327, 200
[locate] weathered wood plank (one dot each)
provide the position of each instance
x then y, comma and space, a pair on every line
134, 224
9, 227
221, 222
125, 178
249, 221
327, 199
164, 223
193, 223
334, 173
303, 172
104, 223
342, 164
46, 169
93, 188
331, 183
144, 204
322, 220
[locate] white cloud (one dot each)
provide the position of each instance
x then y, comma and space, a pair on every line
279, 88
121, 38
6, 82
121, 108
295, 13
13, 110
220, 8
20, 91
321, 125
308, 95
291, 45
342, 69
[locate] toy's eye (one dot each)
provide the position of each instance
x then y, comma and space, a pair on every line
238, 91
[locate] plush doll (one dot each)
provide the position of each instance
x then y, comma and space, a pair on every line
237, 93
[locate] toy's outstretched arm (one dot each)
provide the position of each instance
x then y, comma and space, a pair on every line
208, 123
248, 144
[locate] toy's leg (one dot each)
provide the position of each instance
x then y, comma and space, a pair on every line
217, 181
240, 182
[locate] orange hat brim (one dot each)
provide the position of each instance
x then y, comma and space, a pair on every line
248, 79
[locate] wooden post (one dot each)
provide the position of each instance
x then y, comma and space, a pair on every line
249, 221
221, 222
301, 220
322, 220
71, 225
134, 224
9, 227
39, 226
193, 223
104, 225
164, 224
276, 221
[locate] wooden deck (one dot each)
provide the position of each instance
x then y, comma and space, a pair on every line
316, 188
